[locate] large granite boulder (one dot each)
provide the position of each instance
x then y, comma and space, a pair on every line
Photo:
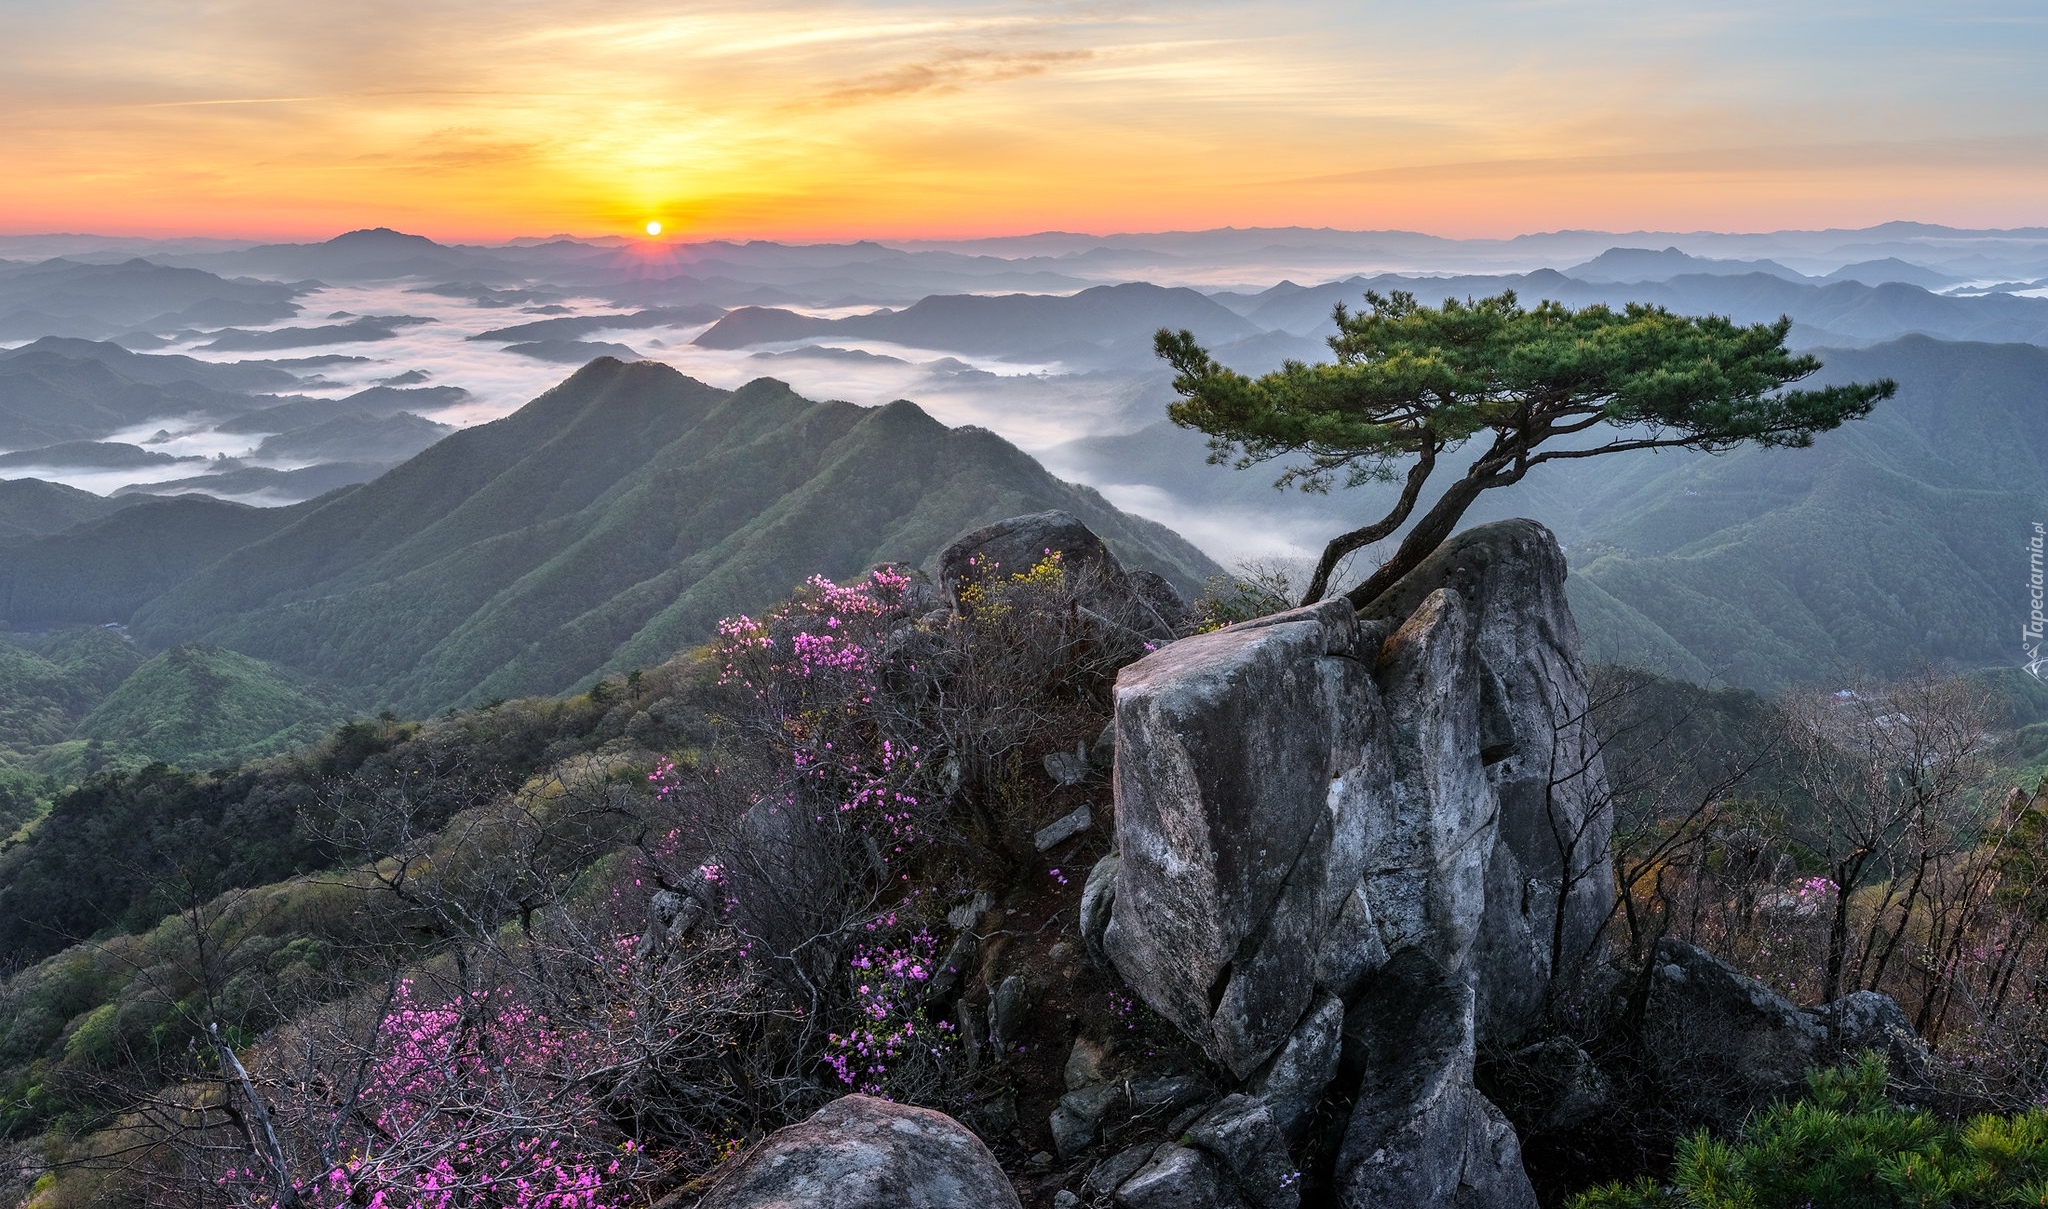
1236, 824
1303, 799
862, 1153
1721, 1044
1549, 880
1015, 546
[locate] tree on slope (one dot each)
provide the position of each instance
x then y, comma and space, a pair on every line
1412, 383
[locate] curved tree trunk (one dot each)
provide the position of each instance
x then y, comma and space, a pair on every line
1431, 531
1345, 543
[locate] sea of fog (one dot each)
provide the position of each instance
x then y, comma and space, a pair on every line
1036, 406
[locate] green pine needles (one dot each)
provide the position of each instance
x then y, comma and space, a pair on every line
1411, 383
1846, 1147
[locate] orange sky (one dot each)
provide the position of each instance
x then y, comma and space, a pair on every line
460, 119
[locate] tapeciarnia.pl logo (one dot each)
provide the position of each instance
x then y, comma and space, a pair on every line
2030, 640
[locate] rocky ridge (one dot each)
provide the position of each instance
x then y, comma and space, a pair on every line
1351, 852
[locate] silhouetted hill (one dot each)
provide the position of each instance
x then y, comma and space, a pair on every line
1891, 268
376, 254
91, 455
263, 484
572, 327
375, 401
33, 508
157, 369
1642, 264
47, 398
356, 438
606, 524
1111, 324
1845, 308
69, 298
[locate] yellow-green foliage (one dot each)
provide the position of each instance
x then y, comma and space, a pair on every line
132, 999
1845, 1145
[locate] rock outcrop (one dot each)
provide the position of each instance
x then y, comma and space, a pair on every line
862, 1153
1140, 600
1420, 1134
1720, 1044
1321, 817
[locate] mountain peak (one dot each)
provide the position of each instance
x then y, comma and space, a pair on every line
380, 239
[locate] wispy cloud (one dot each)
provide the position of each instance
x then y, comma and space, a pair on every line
818, 117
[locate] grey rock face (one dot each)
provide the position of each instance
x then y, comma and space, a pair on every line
1111, 1172
862, 1153
1007, 1009
1179, 1177
1868, 1020
1548, 886
1064, 828
1239, 1132
1301, 795
1306, 801
1722, 1044
1097, 897
1293, 1082
1421, 1135
1233, 751
1079, 1115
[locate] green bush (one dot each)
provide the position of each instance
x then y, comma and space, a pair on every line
1846, 1147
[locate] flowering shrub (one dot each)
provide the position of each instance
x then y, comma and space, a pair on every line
892, 1036
819, 678
468, 1102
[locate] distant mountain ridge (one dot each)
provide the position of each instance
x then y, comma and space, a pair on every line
1110, 324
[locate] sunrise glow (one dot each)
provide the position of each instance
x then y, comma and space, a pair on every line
883, 119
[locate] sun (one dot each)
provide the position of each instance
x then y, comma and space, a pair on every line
653, 227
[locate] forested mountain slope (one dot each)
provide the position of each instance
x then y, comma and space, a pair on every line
604, 525
1896, 540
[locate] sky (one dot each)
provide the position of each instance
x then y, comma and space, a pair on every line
783, 119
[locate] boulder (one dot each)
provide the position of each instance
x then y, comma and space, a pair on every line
1133, 602
1009, 1009
1247, 762
1421, 1136
1097, 896
1015, 546
1179, 1177
1078, 1117
1868, 1020
862, 1153
1555, 1083
1110, 1173
1319, 803
1719, 1043
1292, 1084
1240, 1134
